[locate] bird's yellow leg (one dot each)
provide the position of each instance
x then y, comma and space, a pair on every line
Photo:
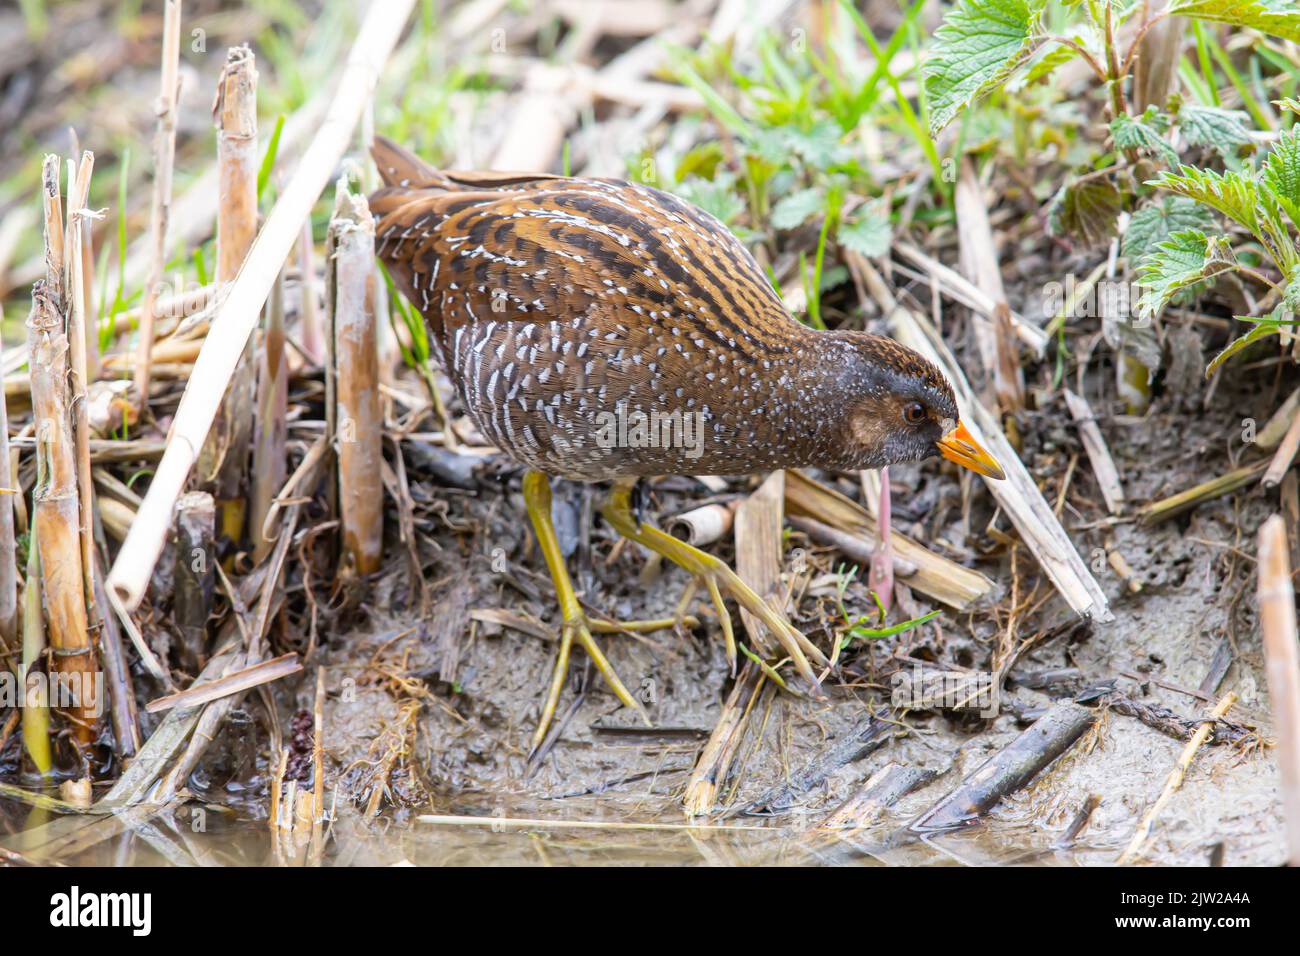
717, 576
576, 626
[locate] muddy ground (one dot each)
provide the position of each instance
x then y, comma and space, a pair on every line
463, 694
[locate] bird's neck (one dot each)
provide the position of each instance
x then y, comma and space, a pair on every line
812, 385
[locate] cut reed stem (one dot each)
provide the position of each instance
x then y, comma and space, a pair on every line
164, 151
57, 508
270, 428
359, 426
223, 462
195, 577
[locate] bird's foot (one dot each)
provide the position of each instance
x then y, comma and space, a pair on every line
578, 628
719, 579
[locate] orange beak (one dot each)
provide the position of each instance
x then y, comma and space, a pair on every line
959, 446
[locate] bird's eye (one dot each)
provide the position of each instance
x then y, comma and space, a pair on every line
914, 413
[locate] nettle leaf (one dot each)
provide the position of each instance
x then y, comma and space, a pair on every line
1235, 194
1157, 222
1146, 133
1278, 17
820, 147
1281, 174
1044, 63
1087, 210
1184, 260
1224, 130
979, 45
797, 208
868, 232
1262, 329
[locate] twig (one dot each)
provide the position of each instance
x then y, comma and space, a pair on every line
1282, 663
1008, 770
1167, 508
1174, 780
1103, 466
164, 150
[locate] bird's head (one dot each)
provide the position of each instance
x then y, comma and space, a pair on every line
901, 408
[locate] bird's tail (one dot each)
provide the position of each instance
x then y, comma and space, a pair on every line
398, 166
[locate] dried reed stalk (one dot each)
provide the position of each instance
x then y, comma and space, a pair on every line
117, 678
57, 508
223, 462
312, 330
1008, 770
164, 156
239, 312
270, 428
1282, 663
90, 325
76, 331
759, 549
36, 711
979, 261
1284, 457
704, 525
8, 540
956, 286
1157, 62
231, 683
1175, 780
195, 576
1103, 465
714, 762
359, 421
1167, 508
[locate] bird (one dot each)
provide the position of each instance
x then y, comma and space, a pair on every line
603, 330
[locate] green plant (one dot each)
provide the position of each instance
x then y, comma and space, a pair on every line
983, 43
1266, 204
986, 44
792, 155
